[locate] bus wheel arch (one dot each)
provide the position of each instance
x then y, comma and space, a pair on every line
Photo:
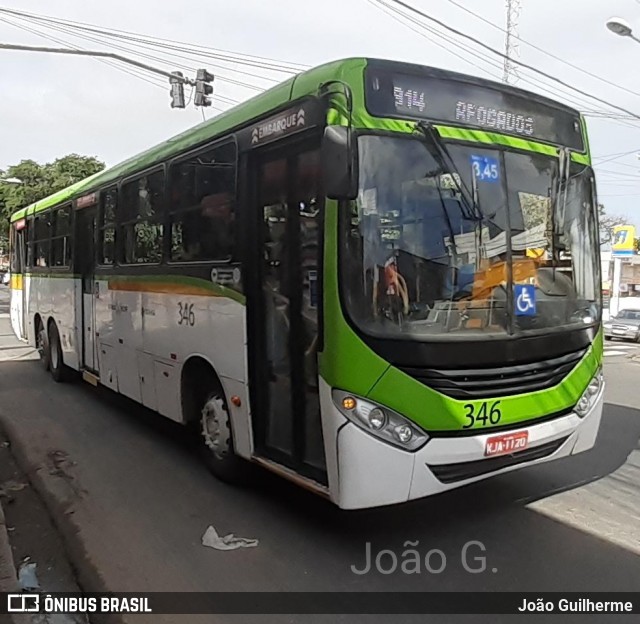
42, 341
205, 410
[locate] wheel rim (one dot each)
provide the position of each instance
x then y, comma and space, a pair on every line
215, 427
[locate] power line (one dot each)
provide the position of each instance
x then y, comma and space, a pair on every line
516, 61
131, 72
152, 57
543, 51
395, 13
234, 57
615, 157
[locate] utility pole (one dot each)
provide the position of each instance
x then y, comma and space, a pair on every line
176, 79
512, 43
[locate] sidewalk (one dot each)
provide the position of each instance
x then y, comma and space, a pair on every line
11, 349
33, 533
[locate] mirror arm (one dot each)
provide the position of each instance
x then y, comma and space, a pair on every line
326, 89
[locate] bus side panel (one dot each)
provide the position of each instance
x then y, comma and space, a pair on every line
105, 320
128, 330
180, 325
17, 284
62, 294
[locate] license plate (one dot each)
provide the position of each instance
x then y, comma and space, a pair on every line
507, 443
619, 331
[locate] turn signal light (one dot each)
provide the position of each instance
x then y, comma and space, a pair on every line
348, 403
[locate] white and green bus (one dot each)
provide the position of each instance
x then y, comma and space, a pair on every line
376, 279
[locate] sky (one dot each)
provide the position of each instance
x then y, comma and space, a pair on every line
52, 105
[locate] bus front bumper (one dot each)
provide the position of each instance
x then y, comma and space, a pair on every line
371, 473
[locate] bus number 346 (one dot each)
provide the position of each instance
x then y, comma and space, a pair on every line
186, 315
481, 413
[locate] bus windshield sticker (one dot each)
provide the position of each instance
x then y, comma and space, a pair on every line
369, 201
485, 168
525, 299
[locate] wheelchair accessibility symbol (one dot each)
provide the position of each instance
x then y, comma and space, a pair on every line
525, 296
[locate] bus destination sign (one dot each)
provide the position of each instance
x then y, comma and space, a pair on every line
454, 101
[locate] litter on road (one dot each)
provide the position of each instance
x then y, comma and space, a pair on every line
27, 576
227, 542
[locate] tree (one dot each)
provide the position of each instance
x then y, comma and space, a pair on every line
608, 223
39, 181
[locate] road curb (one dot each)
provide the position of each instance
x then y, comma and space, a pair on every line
8, 576
87, 575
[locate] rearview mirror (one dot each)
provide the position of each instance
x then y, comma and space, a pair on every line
340, 163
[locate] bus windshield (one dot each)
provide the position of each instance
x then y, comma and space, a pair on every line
419, 259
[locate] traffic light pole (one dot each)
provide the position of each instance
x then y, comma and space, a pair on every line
111, 55
176, 79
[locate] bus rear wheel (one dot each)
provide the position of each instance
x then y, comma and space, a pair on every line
42, 345
57, 367
217, 440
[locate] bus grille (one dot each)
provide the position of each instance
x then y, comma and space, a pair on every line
497, 382
451, 473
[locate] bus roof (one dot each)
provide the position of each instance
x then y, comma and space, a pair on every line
305, 83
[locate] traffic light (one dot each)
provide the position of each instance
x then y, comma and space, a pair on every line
203, 88
177, 90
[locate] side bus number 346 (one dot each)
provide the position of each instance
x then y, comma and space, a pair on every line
482, 413
186, 315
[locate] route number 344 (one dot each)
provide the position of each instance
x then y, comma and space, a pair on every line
482, 414
186, 315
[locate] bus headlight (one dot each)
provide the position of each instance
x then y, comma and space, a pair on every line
380, 421
588, 398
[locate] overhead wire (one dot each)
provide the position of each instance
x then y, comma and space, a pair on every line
235, 57
546, 52
124, 48
572, 99
518, 62
132, 72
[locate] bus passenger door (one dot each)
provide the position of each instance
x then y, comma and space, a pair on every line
86, 262
18, 279
283, 312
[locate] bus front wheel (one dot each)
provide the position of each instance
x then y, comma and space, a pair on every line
217, 440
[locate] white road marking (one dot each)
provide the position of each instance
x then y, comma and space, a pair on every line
619, 349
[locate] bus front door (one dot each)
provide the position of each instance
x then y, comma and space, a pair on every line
86, 262
283, 311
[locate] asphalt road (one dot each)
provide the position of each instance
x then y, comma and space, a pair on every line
133, 502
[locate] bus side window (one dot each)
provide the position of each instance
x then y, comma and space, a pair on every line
141, 219
30, 243
202, 206
106, 245
41, 242
61, 230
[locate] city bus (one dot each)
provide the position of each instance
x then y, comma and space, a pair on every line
378, 280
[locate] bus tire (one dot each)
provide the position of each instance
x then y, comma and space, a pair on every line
42, 344
216, 445
57, 367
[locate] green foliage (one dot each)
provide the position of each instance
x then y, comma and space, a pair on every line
38, 181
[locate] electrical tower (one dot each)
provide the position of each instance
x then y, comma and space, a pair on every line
512, 43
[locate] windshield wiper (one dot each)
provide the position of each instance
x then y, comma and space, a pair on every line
559, 201
472, 210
